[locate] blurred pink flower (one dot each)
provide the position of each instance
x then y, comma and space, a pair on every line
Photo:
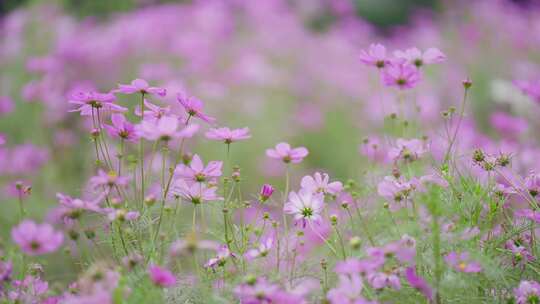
527, 292
196, 193
418, 283
153, 112
161, 276
461, 262
407, 149
507, 125
416, 57
6, 105
36, 239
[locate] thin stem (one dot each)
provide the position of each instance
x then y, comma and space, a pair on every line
141, 151
324, 240
460, 118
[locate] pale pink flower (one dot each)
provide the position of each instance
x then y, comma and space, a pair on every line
375, 56
194, 107
283, 152
262, 250
36, 239
195, 193
305, 206
320, 183
152, 111
401, 75
408, 149
165, 129
227, 135
88, 101
197, 172
418, 58
140, 86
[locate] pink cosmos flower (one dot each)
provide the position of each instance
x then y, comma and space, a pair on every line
284, 152
36, 239
416, 57
227, 135
165, 129
196, 193
401, 75
380, 280
320, 183
161, 277
73, 208
196, 171
305, 206
532, 184
520, 254
140, 86
6, 269
87, 101
373, 149
153, 111
263, 292
121, 128
108, 180
191, 244
32, 289
396, 191
528, 214
223, 253
194, 107
418, 283
262, 250
528, 292
461, 262
2, 139
408, 149
375, 56
121, 215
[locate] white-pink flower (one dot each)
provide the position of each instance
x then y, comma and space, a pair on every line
320, 183
284, 152
305, 206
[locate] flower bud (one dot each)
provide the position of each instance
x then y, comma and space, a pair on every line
266, 192
355, 242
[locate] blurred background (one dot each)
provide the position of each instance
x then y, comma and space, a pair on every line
288, 70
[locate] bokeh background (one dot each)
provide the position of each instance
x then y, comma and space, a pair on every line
288, 70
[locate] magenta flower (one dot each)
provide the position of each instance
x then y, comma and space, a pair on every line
161, 277
380, 280
305, 206
2, 139
284, 152
165, 129
121, 128
87, 101
320, 183
74, 207
197, 172
6, 269
140, 86
196, 193
36, 239
418, 283
227, 135
266, 191
395, 191
375, 56
461, 262
416, 57
401, 75
194, 107
528, 292
259, 292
